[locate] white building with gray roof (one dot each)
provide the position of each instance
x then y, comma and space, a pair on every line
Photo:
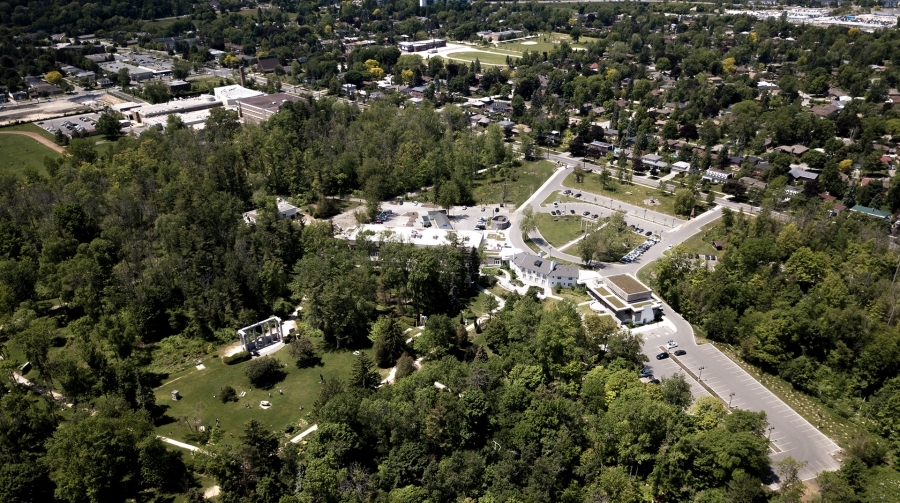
543, 272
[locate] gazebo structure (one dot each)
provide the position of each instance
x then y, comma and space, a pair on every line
262, 334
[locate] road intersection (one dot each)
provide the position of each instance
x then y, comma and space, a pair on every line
790, 434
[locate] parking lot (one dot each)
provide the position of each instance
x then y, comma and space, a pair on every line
85, 124
790, 434
462, 218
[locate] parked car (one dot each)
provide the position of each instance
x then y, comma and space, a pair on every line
671, 344
680, 352
662, 356
585, 213
594, 216
654, 381
573, 211
555, 204
646, 372
378, 221
648, 233
567, 192
578, 194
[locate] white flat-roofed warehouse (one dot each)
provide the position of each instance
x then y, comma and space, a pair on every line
229, 95
202, 102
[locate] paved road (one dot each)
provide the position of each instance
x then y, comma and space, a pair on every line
791, 434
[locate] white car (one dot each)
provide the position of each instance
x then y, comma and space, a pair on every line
415, 203
669, 247
671, 344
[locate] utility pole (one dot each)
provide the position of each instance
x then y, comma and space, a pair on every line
700, 377
729, 399
769, 437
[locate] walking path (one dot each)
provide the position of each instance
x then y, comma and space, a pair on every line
176, 443
305, 433
40, 139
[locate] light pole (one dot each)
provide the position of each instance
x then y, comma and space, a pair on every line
700, 377
729, 399
769, 436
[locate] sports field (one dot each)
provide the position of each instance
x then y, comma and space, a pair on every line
18, 152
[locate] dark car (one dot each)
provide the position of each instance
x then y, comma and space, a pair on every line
662, 356
572, 211
680, 352
646, 372
379, 221
585, 213
595, 216
578, 194
648, 233
654, 381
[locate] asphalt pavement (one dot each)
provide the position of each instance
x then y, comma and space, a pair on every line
789, 434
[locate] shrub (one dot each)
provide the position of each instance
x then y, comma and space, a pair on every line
236, 358
265, 370
228, 394
405, 366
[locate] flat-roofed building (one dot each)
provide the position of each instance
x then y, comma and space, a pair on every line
259, 108
629, 300
229, 95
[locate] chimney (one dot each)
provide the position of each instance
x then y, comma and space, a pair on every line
243, 79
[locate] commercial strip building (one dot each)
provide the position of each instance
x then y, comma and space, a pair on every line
626, 298
422, 45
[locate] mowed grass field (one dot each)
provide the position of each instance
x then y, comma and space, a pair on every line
544, 43
482, 57
559, 230
18, 152
527, 179
300, 387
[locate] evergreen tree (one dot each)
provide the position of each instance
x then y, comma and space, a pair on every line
363, 374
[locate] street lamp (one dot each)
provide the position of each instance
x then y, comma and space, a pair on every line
729, 399
769, 437
700, 377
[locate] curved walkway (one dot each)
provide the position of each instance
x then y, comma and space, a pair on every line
40, 139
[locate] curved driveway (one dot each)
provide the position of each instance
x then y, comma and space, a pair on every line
790, 433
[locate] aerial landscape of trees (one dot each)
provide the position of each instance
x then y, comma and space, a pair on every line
124, 264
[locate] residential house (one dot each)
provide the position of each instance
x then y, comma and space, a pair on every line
598, 148
539, 271
717, 175
795, 150
653, 161
681, 167
268, 64
824, 111
799, 173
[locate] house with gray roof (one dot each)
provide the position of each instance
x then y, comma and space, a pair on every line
541, 271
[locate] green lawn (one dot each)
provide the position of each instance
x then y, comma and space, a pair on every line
701, 243
632, 194
544, 43
31, 128
300, 386
483, 57
19, 152
560, 230
488, 188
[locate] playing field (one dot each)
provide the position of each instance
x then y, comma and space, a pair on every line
18, 152
543, 43
483, 57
